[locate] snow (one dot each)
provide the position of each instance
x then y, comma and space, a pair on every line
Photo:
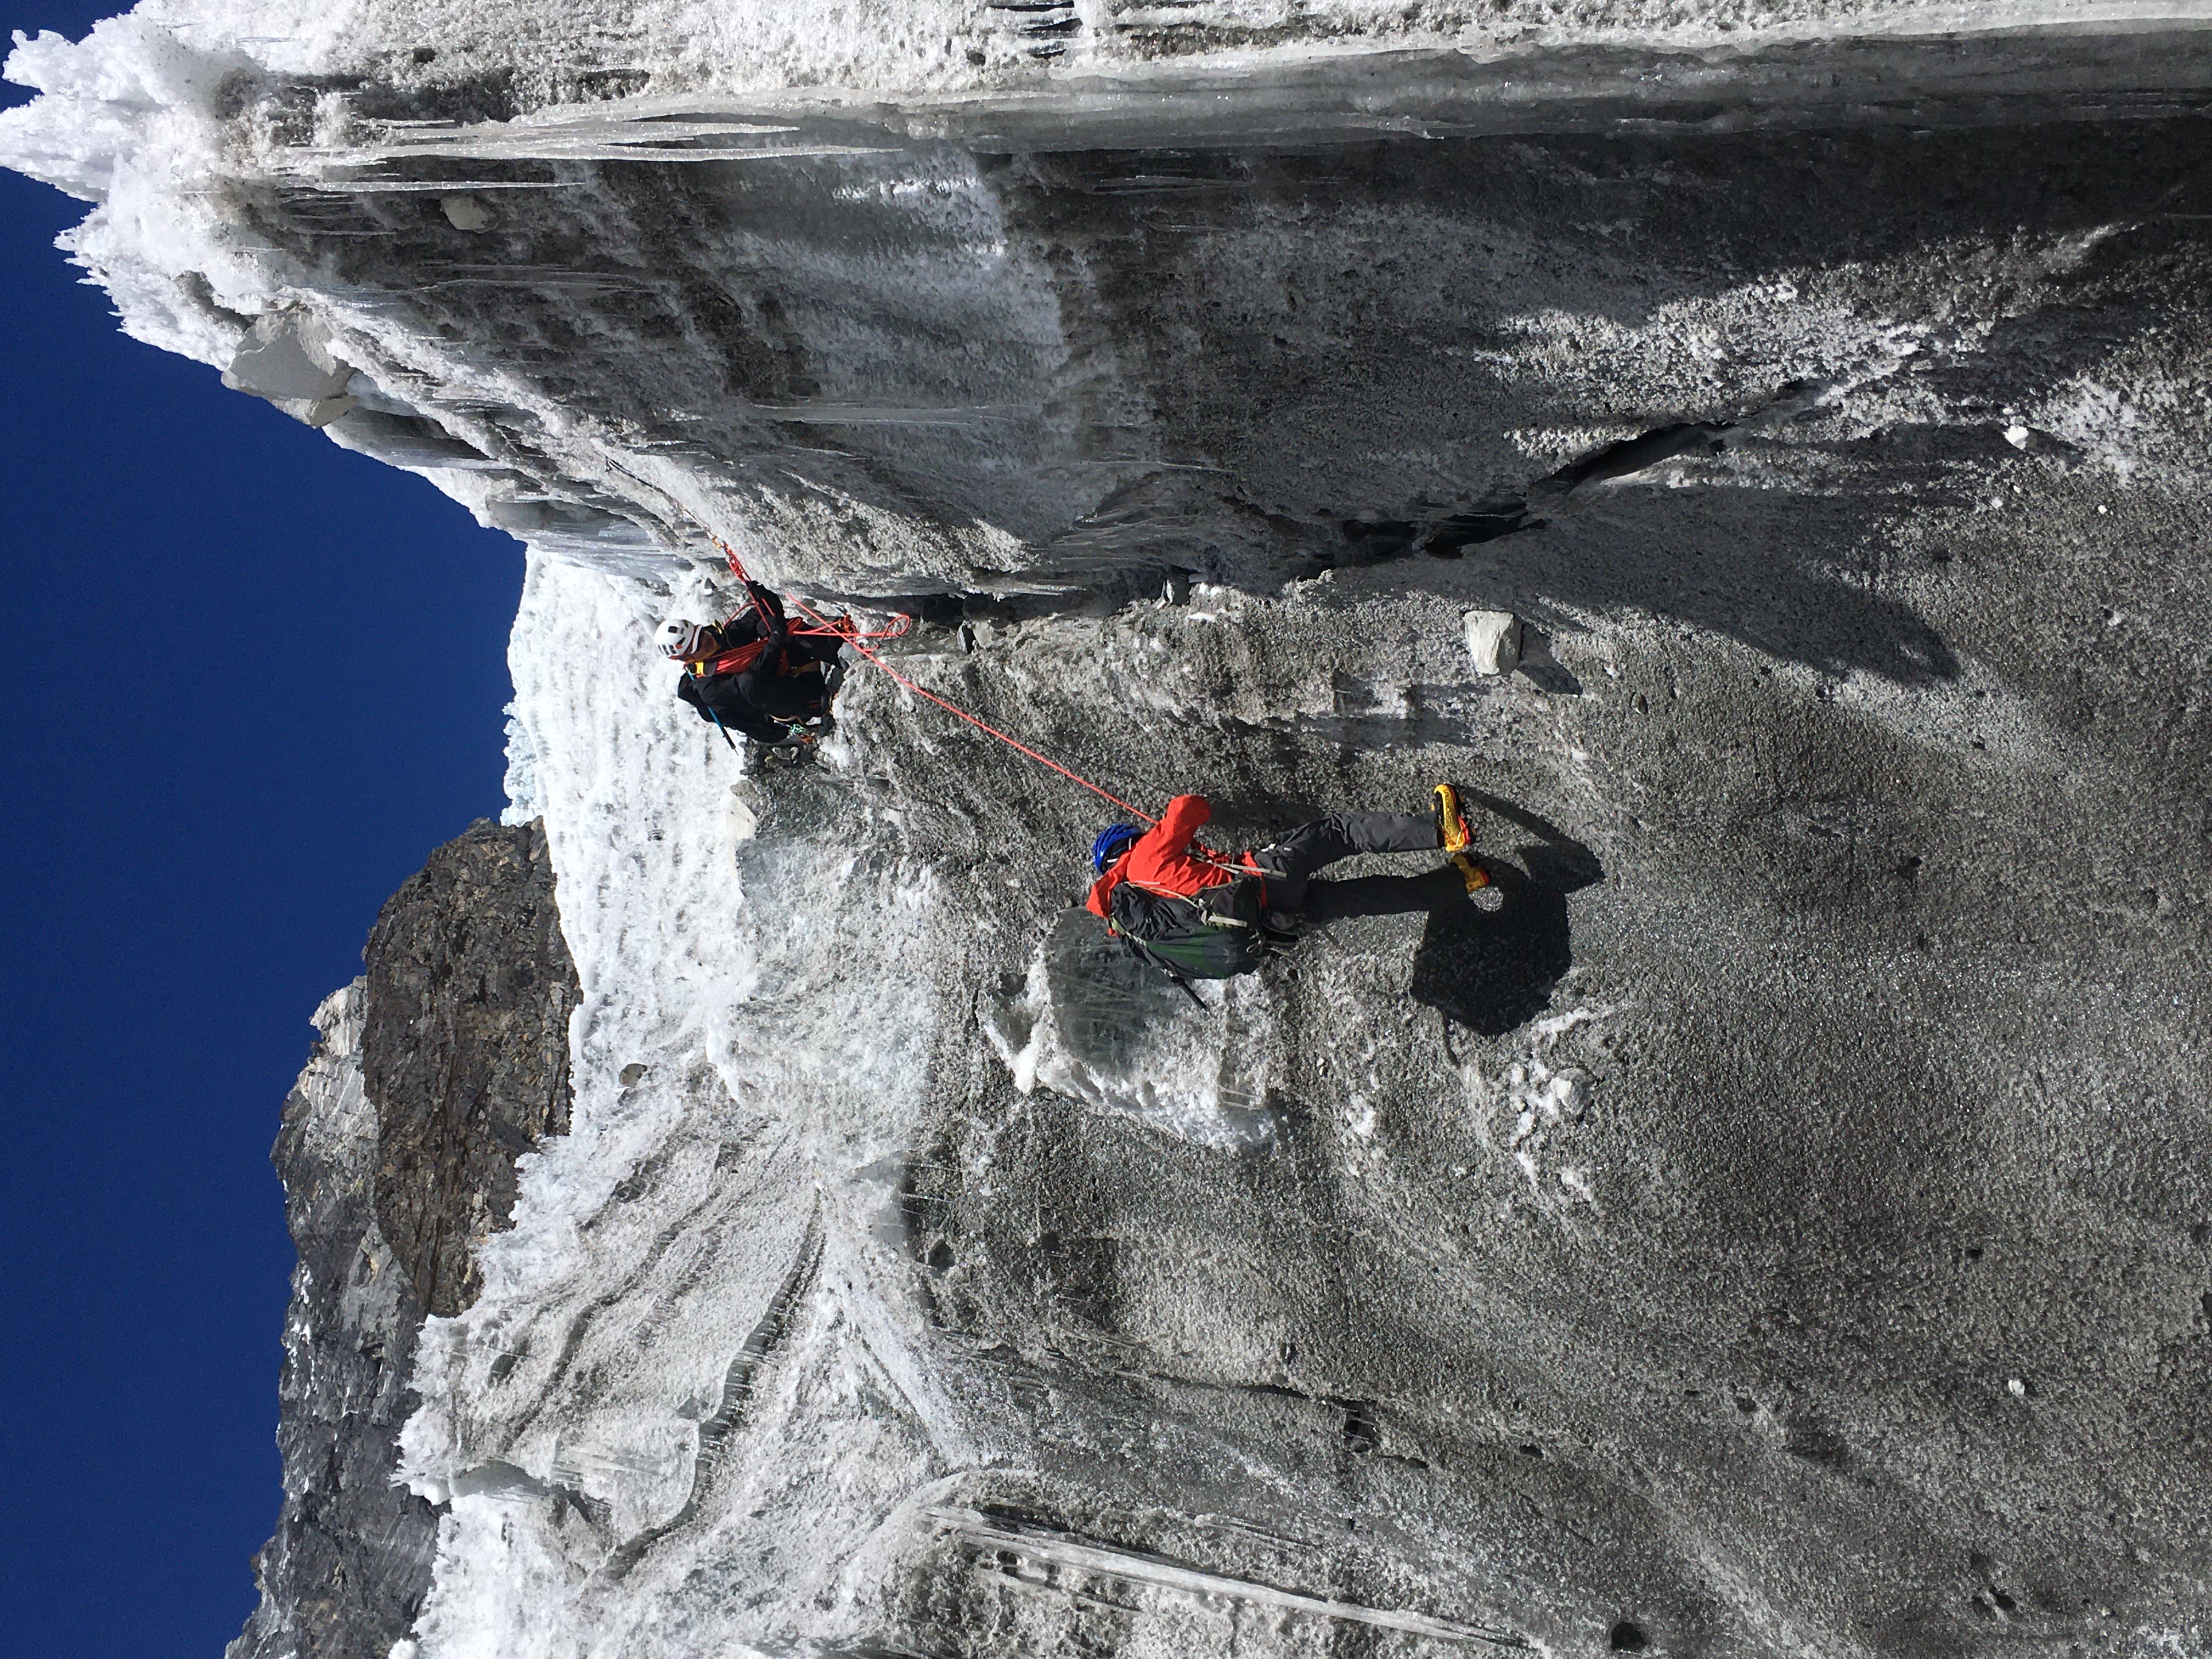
1092, 1022
938, 45
739, 1085
1545, 1093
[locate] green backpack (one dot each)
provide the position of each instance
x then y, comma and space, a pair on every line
1171, 935
1202, 953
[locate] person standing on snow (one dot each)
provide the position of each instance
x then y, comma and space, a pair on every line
752, 674
1192, 910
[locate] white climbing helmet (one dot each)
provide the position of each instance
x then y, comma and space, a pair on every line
680, 639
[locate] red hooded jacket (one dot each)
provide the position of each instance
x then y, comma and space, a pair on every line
1166, 859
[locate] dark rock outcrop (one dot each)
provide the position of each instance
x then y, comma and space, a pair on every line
461, 1020
465, 1052
349, 1562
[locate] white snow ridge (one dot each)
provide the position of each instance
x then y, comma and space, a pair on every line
1636, 1257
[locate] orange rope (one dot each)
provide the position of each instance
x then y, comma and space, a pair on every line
848, 632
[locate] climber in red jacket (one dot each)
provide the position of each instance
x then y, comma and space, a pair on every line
1162, 883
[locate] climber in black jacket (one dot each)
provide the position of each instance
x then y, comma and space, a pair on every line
752, 674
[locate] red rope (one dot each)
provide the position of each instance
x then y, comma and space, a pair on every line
846, 629
843, 629
981, 726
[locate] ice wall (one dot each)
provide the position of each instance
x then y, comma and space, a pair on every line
1779, 1225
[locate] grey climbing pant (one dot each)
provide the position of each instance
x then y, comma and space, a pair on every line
1290, 864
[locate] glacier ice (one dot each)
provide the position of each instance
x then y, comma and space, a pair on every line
289, 362
1652, 1253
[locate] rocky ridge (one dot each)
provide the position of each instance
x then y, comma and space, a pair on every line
465, 1048
432, 1074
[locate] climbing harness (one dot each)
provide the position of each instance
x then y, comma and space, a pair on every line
844, 628
848, 630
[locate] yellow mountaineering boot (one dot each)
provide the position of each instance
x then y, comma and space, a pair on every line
1451, 827
1451, 830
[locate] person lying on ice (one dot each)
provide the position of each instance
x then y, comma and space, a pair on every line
753, 674
1191, 910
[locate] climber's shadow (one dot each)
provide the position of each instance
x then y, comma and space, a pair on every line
1490, 970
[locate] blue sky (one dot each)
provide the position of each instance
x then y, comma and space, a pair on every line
250, 680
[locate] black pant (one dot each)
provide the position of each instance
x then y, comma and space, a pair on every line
1290, 862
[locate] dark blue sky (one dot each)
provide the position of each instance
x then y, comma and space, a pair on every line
250, 681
